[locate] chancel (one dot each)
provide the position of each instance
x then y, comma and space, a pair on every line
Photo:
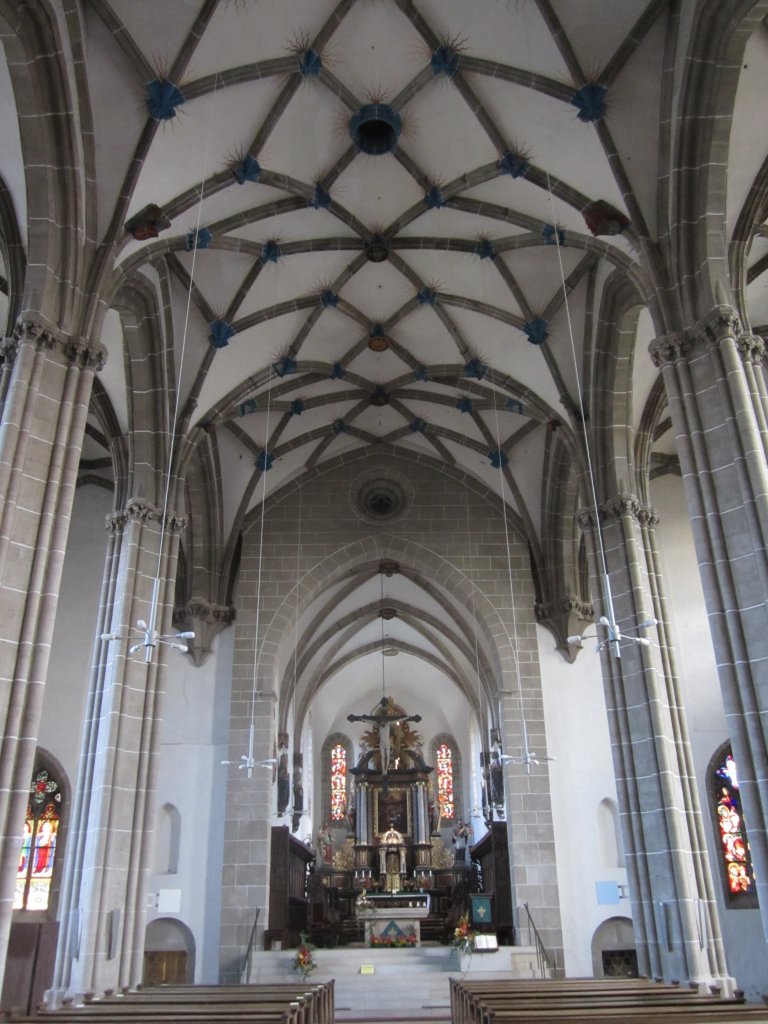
383, 415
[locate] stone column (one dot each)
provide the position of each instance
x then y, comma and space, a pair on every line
716, 388
104, 892
46, 388
673, 907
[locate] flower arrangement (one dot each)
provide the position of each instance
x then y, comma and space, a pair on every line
304, 961
463, 936
393, 941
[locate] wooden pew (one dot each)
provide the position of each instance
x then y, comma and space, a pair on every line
301, 1003
586, 1000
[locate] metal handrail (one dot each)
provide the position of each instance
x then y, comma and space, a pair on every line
542, 957
245, 975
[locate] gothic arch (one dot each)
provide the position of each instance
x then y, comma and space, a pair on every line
44, 760
365, 555
459, 801
331, 741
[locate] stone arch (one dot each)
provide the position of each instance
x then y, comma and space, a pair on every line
366, 554
710, 81
616, 938
14, 257
57, 206
611, 425
164, 936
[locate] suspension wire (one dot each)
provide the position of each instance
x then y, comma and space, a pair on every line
257, 653
582, 414
514, 638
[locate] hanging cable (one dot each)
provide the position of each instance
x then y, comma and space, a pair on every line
528, 757
247, 761
614, 634
148, 631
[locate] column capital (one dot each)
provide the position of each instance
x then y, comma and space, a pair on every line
752, 348
720, 324
82, 351
618, 507
139, 511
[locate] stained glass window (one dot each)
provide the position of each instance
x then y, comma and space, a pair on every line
38, 844
447, 807
730, 822
338, 783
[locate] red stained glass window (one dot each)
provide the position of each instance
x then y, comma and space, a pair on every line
730, 822
445, 782
38, 844
338, 783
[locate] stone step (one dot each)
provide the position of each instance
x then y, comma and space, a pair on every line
407, 984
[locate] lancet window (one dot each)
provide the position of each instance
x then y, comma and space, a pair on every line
445, 782
338, 783
335, 761
38, 845
731, 830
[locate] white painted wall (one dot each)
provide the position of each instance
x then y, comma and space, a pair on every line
582, 776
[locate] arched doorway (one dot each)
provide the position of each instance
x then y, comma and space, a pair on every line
169, 953
613, 949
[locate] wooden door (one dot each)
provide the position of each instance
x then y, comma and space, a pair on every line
165, 967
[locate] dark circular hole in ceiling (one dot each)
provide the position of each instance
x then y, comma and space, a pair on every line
375, 129
381, 504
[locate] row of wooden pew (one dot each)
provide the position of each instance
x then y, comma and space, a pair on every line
301, 1003
593, 1001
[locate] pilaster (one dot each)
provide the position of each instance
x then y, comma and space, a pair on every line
675, 918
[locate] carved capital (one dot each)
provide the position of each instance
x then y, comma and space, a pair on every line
751, 348
139, 511
586, 519
90, 355
30, 329
206, 620
722, 323
8, 348
85, 353
617, 508
630, 505
670, 348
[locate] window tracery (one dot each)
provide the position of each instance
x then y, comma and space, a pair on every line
38, 844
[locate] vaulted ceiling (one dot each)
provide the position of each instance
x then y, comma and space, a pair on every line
386, 222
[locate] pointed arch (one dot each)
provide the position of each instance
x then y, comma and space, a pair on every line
446, 782
336, 758
730, 828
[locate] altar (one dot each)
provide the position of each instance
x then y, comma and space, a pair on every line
392, 919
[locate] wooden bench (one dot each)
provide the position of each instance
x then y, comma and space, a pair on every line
301, 1003
604, 1002
321, 995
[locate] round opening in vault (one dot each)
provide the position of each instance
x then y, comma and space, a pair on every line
380, 498
375, 128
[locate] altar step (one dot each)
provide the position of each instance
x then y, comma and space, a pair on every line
406, 984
